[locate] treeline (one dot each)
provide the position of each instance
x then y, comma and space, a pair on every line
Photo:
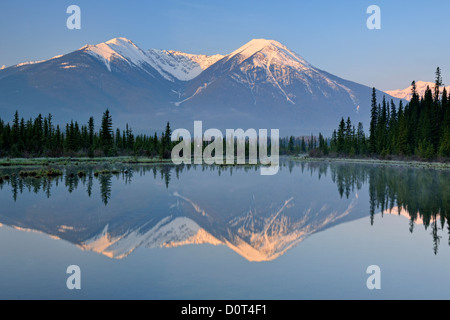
40, 137
348, 140
296, 145
419, 129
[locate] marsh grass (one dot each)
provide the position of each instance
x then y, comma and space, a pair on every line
49, 173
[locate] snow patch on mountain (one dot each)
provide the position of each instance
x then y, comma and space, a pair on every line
32, 62
27, 63
182, 66
172, 65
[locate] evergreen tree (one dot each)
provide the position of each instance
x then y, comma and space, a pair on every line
373, 123
291, 145
341, 137
392, 129
130, 137
106, 134
437, 87
348, 137
91, 133
167, 142
119, 140
323, 145
361, 140
15, 129
91, 137
402, 141
303, 145
50, 131
381, 128
334, 142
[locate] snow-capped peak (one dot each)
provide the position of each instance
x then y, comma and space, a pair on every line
421, 87
121, 41
117, 48
255, 46
273, 50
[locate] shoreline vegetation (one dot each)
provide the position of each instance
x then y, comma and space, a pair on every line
54, 163
384, 162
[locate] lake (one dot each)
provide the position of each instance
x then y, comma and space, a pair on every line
209, 232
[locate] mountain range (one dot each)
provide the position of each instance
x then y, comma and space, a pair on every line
261, 85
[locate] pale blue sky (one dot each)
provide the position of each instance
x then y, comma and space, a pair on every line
331, 35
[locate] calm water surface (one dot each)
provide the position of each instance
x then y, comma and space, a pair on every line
198, 232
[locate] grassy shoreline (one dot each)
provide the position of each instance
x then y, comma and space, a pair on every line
399, 163
63, 162
44, 162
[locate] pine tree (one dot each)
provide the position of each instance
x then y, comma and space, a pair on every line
444, 148
77, 137
303, 145
382, 129
167, 142
50, 131
402, 141
106, 134
373, 124
291, 145
119, 140
84, 139
334, 141
444, 106
348, 144
341, 137
15, 129
393, 129
435, 114
437, 87
323, 145
361, 140
156, 144
130, 138
412, 113
57, 144
91, 131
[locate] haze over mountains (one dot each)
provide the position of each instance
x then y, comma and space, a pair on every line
262, 85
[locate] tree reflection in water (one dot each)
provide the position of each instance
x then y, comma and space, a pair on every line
424, 195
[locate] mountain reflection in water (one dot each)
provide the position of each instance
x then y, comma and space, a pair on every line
260, 218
